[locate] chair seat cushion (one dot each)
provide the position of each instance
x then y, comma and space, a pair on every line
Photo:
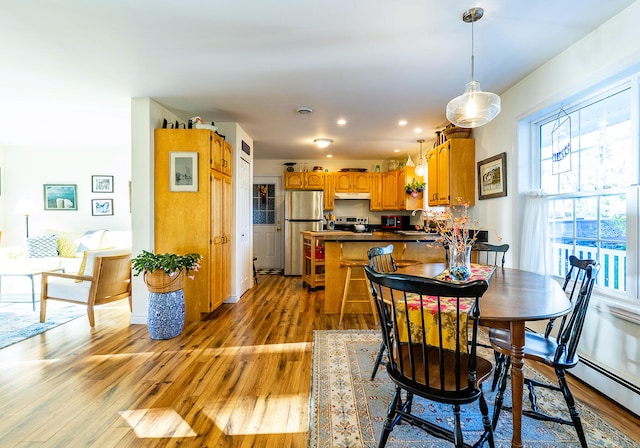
67, 288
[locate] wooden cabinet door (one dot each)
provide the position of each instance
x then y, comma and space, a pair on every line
226, 158
329, 191
402, 194
294, 181
390, 190
360, 182
217, 151
375, 203
314, 180
443, 174
227, 236
432, 177
343, 182
216, 271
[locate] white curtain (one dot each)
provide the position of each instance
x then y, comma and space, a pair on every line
535, 253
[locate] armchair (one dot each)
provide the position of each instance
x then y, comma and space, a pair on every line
107, 279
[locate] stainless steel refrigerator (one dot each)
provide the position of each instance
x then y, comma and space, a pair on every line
303, 211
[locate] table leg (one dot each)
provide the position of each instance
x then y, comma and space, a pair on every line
33, 292
517, 380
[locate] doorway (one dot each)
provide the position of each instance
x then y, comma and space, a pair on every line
268, 237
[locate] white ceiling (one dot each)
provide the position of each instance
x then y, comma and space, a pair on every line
69, 65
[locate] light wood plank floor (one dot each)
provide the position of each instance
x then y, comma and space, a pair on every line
237, 379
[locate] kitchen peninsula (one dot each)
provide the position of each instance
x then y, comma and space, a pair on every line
422, 247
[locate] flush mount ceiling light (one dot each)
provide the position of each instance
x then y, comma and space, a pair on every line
304, 110
322, 142
474, 107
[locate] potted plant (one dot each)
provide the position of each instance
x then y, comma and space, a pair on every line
164, 276
414, 187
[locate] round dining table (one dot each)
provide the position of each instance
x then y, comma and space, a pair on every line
513, 298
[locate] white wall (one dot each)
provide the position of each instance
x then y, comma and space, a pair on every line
609, 50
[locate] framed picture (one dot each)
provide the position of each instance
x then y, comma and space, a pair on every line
60, 197
102, 207
492, 177
183, 171
102, 184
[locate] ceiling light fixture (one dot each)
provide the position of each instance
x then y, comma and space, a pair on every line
474, 107
421, 169
304, 110
322, 142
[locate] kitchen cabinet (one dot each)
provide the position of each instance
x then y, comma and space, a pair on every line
307, 180
390, 190
329, 191
312, 260
406, 201
352, 182
451, 173
220, 157
375, 203
196, 221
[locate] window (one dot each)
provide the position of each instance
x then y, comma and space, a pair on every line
264, 204
588, 159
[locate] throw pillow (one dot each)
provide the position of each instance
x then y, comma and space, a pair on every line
90, 241
86, 265
67, 243
43, 246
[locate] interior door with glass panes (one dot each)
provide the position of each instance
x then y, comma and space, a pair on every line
268, 241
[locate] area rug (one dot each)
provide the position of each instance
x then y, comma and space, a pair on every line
18, 321
348, 410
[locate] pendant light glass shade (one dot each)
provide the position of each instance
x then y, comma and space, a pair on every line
474, 107
421, 169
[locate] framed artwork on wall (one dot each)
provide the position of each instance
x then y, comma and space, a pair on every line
183, 171
102, 207
101, 184
60, 197
492, 177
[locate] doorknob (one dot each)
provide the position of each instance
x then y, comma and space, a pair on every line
277, 229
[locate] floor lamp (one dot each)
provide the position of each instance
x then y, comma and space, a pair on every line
24, 207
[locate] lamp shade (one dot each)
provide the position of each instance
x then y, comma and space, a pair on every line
322, 142
474, 107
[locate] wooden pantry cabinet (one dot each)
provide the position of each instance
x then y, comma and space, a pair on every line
196, 221
451, 169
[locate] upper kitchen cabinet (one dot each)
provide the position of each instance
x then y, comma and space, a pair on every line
308, 180
407, 201
451, 168
352, 182
390, 190
220, 154
375, 203
329, 191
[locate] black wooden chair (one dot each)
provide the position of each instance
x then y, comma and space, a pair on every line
381, 260
557, 352
425, 358
489, 254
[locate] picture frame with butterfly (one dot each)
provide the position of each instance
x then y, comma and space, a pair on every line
102, 207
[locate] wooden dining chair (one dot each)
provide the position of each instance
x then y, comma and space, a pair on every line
381, 260
428, 354
489, 254
559, 352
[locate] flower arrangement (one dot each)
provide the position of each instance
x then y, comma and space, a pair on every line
171, 264
414, 186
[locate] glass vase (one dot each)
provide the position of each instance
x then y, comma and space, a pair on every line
459, 262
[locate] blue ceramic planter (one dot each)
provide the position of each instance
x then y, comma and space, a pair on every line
166, 311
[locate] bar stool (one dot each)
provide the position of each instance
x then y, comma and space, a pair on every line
350, 264
401, 262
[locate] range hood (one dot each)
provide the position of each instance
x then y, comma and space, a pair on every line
366, 196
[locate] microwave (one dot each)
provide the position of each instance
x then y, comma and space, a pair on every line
394, 222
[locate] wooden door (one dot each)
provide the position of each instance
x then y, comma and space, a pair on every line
216, 272
343, 182
314, 180
217, 151
227, 151
293, 181
329, 191
227, 198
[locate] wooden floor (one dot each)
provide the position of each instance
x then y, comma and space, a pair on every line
238, 379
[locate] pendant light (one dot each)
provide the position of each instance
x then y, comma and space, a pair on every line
421, 169
474, 107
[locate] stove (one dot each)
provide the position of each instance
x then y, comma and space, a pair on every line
351, 220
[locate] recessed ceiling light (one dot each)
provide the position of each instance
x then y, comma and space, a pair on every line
402, 122
417, 130
304, 110
396, 150
342, 122
329, 156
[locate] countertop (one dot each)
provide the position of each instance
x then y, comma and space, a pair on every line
378, 237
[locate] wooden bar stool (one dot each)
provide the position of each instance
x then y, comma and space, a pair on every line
401, 262
351, 264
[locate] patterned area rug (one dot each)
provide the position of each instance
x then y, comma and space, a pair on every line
347, 409
18, 321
